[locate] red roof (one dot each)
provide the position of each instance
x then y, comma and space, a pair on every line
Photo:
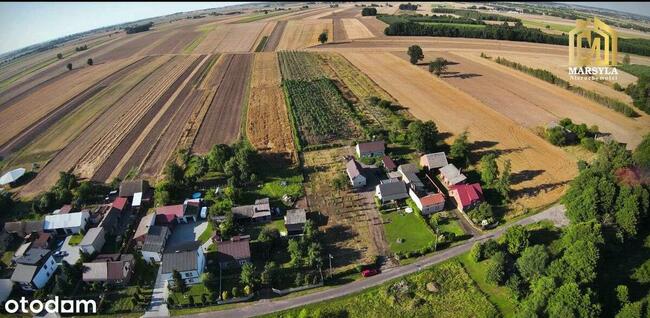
65, 209
42, 240
373, 146
388, 163
119, 203
432, 199
468, 193
166, 214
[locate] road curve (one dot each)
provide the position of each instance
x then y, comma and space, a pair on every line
554, 214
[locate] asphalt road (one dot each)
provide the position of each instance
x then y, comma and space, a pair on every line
261, 307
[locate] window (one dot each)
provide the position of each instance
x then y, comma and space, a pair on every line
45, 266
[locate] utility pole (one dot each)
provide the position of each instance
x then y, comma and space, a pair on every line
330, 258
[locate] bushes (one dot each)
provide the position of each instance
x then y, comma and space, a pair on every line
368, 12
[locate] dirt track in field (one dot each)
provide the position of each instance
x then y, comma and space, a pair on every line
274, 38
223, 120
338, 31
268, 127
546, 167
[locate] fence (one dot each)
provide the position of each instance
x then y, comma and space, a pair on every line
282, 292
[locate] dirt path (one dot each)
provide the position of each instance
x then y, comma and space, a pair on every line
274, 38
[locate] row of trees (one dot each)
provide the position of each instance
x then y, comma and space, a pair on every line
368, 12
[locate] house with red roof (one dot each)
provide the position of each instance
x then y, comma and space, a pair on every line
388, 163
466, 195
179, 213
371, 149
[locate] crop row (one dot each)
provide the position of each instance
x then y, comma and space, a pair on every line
299, 66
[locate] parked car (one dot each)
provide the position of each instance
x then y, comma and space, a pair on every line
369, 272
61, 253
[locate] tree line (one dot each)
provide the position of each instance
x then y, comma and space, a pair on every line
472, 14
138, 28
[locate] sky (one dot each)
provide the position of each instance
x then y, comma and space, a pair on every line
642, 8
24, 24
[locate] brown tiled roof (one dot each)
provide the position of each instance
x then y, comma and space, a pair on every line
128, 188
237, 248
373, 146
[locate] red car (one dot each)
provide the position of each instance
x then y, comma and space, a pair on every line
369, 272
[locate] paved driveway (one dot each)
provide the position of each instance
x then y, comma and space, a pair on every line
187, 232
74, 254
158, 305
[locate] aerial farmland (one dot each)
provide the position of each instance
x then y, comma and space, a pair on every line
321, 149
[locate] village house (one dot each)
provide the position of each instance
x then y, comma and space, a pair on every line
128, 189
258, 212
93, 241
466, 195
294, 221
388, 163
34, 269
389, 190
154, 243
110, 271
176, 214
428, 203
371, 149
410, 177
141, 231
186, 258
234, 252
23, 228
434, 160
353, 170
66, 224
451, 175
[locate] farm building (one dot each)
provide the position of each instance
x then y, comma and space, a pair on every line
141, 231
114, 272
371, 149
66, 224
234, 252
138, 190
186, 258
389, 190
34, 269
429, 203
258, 212
353, 170
451, 175
117, 215
388, 163
93, 241
154, 243
294, 221
434, 160
466, 195
23, 228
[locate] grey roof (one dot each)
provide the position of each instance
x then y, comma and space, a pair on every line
92, 235
408, 167
412, 179
182, 247
353, 168
261, 208
434, 160
110, 220
181, 261
34, 256
24, 273
129, 188
392, 188
296, 216
451, 173
156, 238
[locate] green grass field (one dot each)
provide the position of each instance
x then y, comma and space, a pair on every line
500, 296
636, 69
410, 228
552, 26
459, 25
451, 226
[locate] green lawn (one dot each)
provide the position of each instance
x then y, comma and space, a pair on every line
410, 228
451, 225
76, 239
498, 295
195, 291
453, 294
636, 69
207, 234
552, 26
6, 257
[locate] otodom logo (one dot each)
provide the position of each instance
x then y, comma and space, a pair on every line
593, 49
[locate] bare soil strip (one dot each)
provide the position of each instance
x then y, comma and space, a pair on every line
356, 30
547, 168
274, 38
120, 152
338, 31
223, 120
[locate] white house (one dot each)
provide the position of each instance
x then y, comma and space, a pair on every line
371, 149
186, 258
429, 203
93, 241
391, 190
353, 170
154, 243
34, 269
66, 224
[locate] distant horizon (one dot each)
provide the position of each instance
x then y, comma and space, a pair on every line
29, 23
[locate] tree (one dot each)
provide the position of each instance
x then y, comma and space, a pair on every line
438, 66
247, 290
459, 150
503, 184
423, 135
89, 62
174, 174
322, 38
415, 53
179, 282
628, 210
578, 264
269, 275
641, 154
313, 257
295, 253
483, 212
570, 301
556, 136
235, 291
227, 227
225, 295
516, 239
626, 59
210, 281
489, 169
59, 56
248, 276
476, 253
69, 66
218, 156
495, 272
309, 231
85, 192
622, 294
532, 262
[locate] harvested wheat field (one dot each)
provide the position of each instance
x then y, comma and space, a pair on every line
231, 38
300, 34
376, 27
275, 36
18, 116
429, 98
356, 30
267, 124
338, 31
222, 122
113, 123
502, 89
65, 130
